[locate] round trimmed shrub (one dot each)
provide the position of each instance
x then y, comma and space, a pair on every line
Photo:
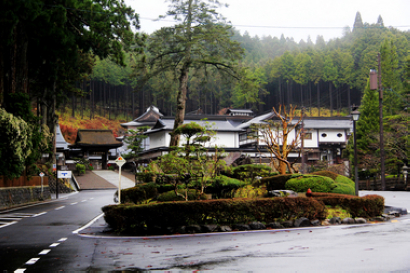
277, 182
314, 182
344, 185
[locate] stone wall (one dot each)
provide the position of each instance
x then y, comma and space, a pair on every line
14, 196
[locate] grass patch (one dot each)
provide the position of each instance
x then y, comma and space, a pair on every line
337, 212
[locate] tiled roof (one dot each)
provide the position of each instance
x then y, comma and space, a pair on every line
97, 138
149, 117
328, 123
257, 120
216, 125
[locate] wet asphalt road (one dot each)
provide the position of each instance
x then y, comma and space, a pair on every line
53, 223
374, 247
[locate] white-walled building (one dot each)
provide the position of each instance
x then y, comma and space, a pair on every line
324, 137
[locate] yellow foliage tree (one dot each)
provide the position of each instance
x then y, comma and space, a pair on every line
277, 137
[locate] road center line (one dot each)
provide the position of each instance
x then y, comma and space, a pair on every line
74, 203
59, 208
83, 201
62, 239
44, 252
54, 245
32, 261
20, 270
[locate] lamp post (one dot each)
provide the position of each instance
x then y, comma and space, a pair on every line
355, 116
405, 172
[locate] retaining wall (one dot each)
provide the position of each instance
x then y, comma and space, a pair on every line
14, 196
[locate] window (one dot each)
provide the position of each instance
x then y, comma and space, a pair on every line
243, 137
308, 136
339, 135
324, 135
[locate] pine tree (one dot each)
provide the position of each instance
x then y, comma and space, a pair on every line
200, 41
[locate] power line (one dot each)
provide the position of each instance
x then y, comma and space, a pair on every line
282, 27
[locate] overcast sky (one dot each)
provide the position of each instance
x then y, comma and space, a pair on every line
293, 18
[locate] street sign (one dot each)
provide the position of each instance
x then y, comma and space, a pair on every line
64, 174
120, 161
41, 174
54, 167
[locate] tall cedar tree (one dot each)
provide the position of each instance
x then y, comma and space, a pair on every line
200, 41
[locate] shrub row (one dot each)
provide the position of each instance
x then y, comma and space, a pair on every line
367, 206
137, 218
144, 192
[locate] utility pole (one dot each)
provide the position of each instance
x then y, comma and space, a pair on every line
382, 169
302, 140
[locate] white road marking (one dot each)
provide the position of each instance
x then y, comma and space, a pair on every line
32, 261
74, 203
89, 224
44, 252
10, 218
23, 215
62, 239
20, 270
54, 245
59, 208
83, 201
92, 198
39, 214
9, 224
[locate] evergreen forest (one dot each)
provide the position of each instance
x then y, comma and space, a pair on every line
325, 77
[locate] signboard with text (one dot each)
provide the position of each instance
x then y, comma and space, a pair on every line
64, 174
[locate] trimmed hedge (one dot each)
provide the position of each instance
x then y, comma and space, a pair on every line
277, 182
139, 194
143, 192
344, 185
170, 196
367, 206
223, 186
327, 174
314, 182
141, 218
